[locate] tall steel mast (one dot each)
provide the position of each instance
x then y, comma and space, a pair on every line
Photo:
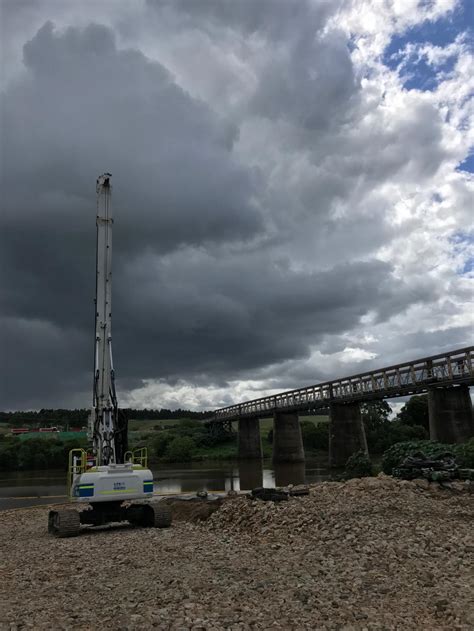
118, 476
105, 414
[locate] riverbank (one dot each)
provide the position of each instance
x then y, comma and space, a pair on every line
375, 553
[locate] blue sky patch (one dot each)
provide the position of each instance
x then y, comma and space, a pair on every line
468, 266
462, 237
461, 242
416, 72
467, 164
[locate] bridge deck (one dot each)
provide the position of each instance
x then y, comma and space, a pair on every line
447, 369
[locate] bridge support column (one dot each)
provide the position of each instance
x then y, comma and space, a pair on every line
450, 414
287, 438
250, 442
346, 432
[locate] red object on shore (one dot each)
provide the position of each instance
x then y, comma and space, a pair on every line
29, 430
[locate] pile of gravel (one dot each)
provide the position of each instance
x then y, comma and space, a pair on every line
366, 554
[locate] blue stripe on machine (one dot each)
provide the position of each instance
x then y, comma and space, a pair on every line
86, 491
148, 486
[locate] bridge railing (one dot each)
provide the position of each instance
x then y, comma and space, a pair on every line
450, 368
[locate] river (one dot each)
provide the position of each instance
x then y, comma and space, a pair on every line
30, 488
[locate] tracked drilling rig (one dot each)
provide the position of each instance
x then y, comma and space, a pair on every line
116, 483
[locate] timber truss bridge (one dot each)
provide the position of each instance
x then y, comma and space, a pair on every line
455, 367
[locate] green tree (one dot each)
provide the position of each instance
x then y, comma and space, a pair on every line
315, 436
375, 413
180, 449
382, 433
415, 412
160, 443
358, 465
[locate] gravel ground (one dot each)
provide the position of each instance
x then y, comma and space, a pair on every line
366, 554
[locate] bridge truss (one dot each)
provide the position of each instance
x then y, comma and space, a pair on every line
447, 369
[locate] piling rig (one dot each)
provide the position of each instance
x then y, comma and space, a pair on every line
115, 483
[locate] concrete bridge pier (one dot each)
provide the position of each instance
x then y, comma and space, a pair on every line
287, 438
249, 441
346, 432
450, 413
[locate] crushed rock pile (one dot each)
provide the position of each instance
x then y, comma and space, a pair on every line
336, 506
372, 554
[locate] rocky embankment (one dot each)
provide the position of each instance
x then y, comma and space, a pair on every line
376, 553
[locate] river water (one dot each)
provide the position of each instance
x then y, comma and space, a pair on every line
31, 488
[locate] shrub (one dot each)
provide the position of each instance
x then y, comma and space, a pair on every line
8, 456
213, 435
189, 423
465, 454
180, 449
358, 465
160, 444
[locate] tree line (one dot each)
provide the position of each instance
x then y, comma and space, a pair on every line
80, 416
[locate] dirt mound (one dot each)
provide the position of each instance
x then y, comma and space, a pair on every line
192, 510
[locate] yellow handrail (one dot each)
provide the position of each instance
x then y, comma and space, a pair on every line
77, 464
138, 457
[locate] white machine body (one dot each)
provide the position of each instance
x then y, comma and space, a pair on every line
112, 483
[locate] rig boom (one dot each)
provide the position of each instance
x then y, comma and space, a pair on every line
105, 413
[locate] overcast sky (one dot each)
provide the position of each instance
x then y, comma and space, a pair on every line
293, 192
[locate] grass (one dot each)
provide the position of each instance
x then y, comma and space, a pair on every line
220, 452
266, 424
149, 425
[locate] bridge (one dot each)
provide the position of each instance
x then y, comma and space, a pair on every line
445, 377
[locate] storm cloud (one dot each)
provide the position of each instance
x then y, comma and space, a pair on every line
277, 200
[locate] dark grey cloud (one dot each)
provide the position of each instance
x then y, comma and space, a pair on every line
246, 236
43, 364
233, 316
84, 107
299, 85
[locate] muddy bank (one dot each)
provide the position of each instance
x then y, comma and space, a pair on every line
365, 554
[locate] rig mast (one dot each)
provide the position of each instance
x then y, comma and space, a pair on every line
104, 417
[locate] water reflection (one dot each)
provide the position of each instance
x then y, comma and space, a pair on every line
289, 473
25, 488
250, 474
